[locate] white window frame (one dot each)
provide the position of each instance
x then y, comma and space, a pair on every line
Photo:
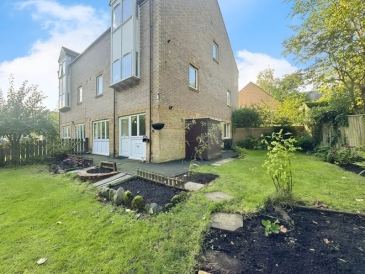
215, 51
66, 132
101, 132
127, 66
228, 98
117, 73
80, 131
79, 95
117, 16
99, 85
226, 131
193, 73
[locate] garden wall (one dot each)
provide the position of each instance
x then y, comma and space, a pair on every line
240, 134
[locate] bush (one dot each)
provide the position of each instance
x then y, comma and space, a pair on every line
128, 197
246, 117
137, 202
305, 141
241, 151
339, 156
249, 143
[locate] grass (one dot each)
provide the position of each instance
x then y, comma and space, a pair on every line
58, 217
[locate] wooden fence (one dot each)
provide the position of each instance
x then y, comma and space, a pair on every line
39, 150
353, 135
160, 178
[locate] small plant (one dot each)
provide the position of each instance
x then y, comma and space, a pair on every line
241, 152
280, 151
137, 202
271, 227
128, 197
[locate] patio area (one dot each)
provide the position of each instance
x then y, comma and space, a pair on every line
172, 168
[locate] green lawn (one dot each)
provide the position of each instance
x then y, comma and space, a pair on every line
58, 218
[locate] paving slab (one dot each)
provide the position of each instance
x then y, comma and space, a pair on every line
193, 186
112, 179
218, 196
226, 221
221, 162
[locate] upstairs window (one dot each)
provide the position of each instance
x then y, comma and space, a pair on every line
228, 98
116, 71
116, 17
62, 69
193, 77
215, 51
127, 10
99, 85
79, 95
127, 66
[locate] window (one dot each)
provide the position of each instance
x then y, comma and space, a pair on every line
101, 130
66, 132
127, 10
127, 66
116, 71
138, 125
228, 98
80, 131
62, 69
79, 95
116, 17
99, 85
227, 131
193, 77
215, 51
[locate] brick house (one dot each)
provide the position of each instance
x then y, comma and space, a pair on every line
252, 95
161, 61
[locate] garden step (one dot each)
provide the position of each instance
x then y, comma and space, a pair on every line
191, 186
118, 177
221, 162
226, 221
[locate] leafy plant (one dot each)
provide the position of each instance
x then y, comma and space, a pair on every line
241, 151
271, 227
280, 151
128, 197
137, 202
246, 117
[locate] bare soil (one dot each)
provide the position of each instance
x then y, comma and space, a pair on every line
150, 191
200, 178
319, 242
97, 170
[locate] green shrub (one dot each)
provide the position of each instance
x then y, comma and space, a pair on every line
246, 117
137, 202
343, 156
249, 143
241, 151
322, 152
305, 141
128, 197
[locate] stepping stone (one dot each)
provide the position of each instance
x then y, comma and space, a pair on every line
218, 196
226, 221
221, 162
193, 186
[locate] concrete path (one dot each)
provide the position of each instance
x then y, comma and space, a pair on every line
221, 162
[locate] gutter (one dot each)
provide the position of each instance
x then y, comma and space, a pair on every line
150, 81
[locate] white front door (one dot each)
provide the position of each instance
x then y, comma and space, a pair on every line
132, 129
125, 138
101, 137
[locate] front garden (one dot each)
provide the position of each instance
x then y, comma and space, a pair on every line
59, 218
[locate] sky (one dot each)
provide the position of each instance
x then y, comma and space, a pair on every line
34, 31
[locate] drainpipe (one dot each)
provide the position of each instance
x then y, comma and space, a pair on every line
150, 82
114, 122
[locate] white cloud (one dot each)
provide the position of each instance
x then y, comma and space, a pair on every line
250, 64
74, 27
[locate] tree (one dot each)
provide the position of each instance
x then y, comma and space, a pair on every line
331, 38
22, 114
280, 88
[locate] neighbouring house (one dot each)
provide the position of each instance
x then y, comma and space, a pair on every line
252, 95
160, 62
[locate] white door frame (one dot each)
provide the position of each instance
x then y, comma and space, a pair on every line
134, 139
101, 137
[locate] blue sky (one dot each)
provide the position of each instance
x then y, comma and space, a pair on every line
35, 30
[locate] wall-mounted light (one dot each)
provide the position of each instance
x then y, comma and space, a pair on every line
158, 96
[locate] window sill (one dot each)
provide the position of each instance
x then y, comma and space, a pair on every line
98, 96
215, 60
193, 89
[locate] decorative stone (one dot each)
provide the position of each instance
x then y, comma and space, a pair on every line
118, 196
153, 208
218, 196
227, 221
104, 192
111, 193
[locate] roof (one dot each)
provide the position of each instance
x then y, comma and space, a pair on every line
252, 95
